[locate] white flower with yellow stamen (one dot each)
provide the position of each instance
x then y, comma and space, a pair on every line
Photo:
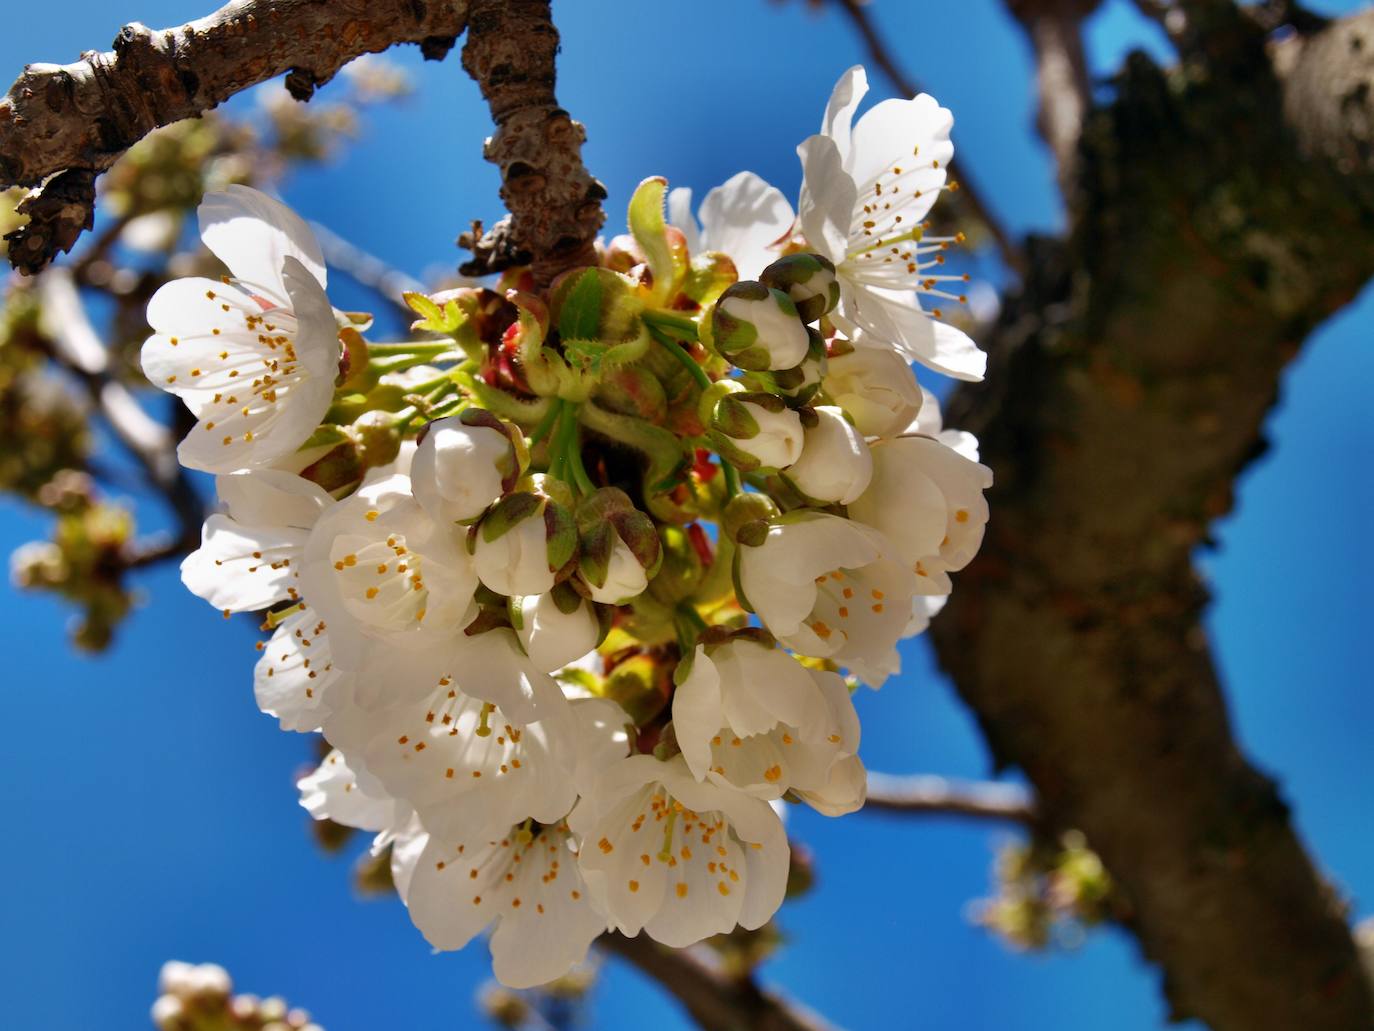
378, 569
470, 770
867, 187
928, 499
751, 717
250, 556
254, 356
296, 680
525, 883
831, 588
681, 860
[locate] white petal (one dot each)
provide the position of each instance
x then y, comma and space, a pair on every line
680, 216
253, 234
744, 217
331, 792
243, 568
844, 101
894, 318
272, 497
903, 133
697, 713
293, 679
828, 196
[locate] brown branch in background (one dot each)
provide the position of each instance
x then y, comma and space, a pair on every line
1223, 212
77, 347
716, 1000
970, 195
937, 795
1061, 76
554, 202
71, 122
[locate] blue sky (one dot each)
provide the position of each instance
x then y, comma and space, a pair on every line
154, 814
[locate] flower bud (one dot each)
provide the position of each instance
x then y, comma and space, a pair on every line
835, 463
876, 387
168, 1012
808, 279
745, 519
522, 544
620, 547
758, 329
556, 628
463, 464
756, 430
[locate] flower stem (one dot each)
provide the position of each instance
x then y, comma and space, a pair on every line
679, 327
545, 424
570, 445
683, 358
731, 478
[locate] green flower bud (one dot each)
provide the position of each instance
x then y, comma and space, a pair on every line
809, 280
758, 328
747, 516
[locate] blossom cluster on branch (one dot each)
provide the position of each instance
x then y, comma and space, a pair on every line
571, 581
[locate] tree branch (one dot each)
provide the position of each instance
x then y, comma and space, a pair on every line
936, 795
715, 1000
554, 202
1061, 75
77, 347
970, 195
71, 122
1223, 213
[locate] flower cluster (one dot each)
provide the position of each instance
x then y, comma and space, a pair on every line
570, 581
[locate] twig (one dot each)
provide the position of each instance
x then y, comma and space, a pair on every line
554, 202
929, 794
970, 194
1061, 76
72, 122
714, 999
366, 269
77, 347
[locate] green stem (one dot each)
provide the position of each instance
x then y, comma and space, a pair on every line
731, 477
570, 445
680, 327
417, 347
683, 358
546, 424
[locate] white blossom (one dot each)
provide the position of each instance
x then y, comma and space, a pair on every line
295, 680
680, 860
867, 187
744, 218
557, 628
928, 500
378, 568
751, 717
254, 357
525, 883
250, 557
835, 465
876, 388
458, 470
831, 588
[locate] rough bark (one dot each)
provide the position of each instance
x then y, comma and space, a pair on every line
1223, 210
554, 202
714, 999
71, 122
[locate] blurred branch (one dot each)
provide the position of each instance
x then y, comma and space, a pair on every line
971, 195
1061, 75
554, 203
367, 270
937, 795
714, 999
76, 346
63, 125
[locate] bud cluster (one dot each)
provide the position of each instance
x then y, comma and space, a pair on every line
200, 997
578, 582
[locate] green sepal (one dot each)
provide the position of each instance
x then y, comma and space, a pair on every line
637, 531
595, 560
665, 251
509, 512
580, 315
560, 531
809, 280
711, 273
446, 319
565, 598
733, 419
